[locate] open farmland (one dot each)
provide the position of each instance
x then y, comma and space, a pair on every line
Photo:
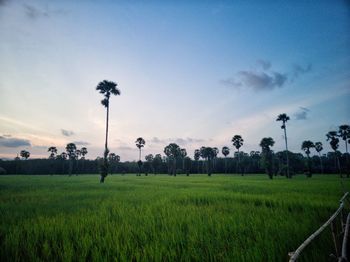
164, 218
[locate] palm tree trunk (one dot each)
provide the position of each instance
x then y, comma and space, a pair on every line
319, 155
285, 139
225, 165
347, 160
105, 162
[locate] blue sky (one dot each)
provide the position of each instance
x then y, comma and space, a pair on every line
191, 72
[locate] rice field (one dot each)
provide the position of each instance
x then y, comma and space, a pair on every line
164, 218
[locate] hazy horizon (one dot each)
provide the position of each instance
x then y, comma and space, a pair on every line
194, 73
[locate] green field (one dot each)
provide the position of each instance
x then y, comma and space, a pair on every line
164, 218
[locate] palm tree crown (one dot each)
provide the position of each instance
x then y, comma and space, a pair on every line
237, 141
306, 145
284, 118
225, 151
266, 143
107, 88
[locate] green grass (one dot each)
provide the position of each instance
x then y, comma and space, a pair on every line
162, 218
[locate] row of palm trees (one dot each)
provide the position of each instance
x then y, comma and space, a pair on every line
173, 151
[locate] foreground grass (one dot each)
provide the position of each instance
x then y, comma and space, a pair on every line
162, 218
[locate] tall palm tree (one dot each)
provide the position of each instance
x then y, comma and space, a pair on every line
140, 143
284, 118
71, 149
237, 142
306, 146
215, 152
344, 133
267, 157
106, 88
225, 151
332, 137
196, 156
319, 148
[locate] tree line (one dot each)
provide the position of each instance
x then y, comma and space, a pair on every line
205, 159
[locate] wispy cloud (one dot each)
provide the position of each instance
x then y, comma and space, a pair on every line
81, 143
263, 78
67, 132
265, 64
8, 141
262, 81
35, 12
299, 70
180, 141
302, 113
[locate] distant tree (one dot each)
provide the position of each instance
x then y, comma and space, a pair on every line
319, 148
157, 162
71, 149
237, 142
207, 153
53, 152
332, 137
149, 159
284, 118
106, 88
172, 151
24, 154
183, 154
140, 143
267, 156
306, 146
215, 152
188, 163
225, 151
113, 160
344, 133
83, 153
197, 155
63, 158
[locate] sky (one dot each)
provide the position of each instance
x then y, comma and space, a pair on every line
191, 72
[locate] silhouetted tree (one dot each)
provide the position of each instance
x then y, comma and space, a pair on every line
113, 160
207, 153
267, 156
172, 151
319, 148
53, 152
237, 142
24, 154
215, 152
334, 142
284, 118
306, 146
140, 143
71, 149
107, 88
344, 133
157, 162
149, 160
183, 154
197, 155
225, 151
